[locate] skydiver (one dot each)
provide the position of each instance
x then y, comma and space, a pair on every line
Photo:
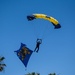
38, 42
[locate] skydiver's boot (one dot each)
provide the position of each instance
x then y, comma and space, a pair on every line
35, 49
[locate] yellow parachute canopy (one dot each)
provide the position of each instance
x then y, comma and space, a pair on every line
43, 16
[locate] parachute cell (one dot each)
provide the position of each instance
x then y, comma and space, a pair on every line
43, 16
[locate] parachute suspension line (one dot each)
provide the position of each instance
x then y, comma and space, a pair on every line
34, 31
42, 32
45, 31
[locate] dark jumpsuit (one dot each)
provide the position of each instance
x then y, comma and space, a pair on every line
39, 41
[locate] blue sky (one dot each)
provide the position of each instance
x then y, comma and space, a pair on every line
57, 51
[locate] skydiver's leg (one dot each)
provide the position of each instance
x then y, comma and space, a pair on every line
37, 49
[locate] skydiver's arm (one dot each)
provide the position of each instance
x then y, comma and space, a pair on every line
40, 40
37, 40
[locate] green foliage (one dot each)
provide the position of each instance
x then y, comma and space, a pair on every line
2, 64
52, 74
33, 73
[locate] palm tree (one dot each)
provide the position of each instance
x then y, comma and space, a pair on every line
33, 73
52, 74
2, 64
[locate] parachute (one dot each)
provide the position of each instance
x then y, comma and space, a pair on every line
24, 54
43, 16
